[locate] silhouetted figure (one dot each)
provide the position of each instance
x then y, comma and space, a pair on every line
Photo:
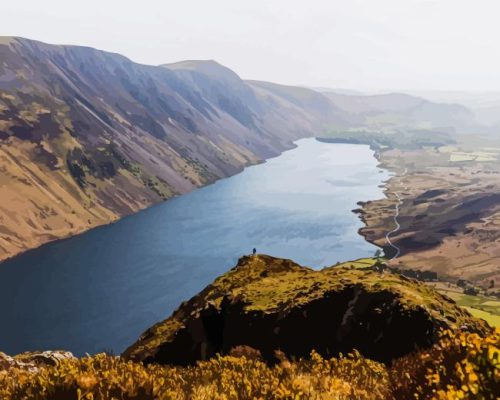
254, 251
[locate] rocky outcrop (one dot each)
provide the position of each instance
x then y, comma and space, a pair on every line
272, 304
33, 360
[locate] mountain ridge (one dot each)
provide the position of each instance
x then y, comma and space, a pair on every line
88, 136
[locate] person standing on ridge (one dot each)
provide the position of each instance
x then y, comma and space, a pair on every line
254, 251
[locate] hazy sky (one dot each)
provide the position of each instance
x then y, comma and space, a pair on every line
357, 44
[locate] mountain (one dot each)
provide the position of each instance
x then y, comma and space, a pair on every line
322, 89
484, 104
271, 304
88, 136
400, 111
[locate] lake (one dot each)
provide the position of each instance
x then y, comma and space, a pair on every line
100, 290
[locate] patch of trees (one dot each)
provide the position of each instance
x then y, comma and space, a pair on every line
424, 276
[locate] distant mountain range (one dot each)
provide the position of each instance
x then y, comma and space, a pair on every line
88, 136
484, 105
401, 111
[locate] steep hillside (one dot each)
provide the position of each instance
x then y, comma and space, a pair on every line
88, 136
274, 304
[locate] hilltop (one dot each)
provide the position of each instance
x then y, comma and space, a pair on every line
272, 329
271, 304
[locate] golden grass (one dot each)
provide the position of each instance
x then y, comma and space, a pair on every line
105, 378
460, 366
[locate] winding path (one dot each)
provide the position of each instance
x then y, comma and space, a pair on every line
396, 215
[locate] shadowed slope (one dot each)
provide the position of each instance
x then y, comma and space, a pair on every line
274, 304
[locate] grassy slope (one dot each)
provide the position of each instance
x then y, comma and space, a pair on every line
271, 285
479, 306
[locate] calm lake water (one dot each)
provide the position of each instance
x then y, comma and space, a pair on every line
102, 289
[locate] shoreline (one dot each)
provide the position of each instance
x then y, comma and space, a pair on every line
387, 248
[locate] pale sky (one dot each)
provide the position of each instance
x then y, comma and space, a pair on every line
355, 44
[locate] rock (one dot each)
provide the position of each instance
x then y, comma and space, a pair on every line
5, 361
34, 360
245, 351
295, 309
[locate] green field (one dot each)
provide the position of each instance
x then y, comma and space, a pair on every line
483, 307
360, 263
492, 319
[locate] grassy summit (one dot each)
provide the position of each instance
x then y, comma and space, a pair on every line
274, 304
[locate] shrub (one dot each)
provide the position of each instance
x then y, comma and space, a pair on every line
103, 377
460, 366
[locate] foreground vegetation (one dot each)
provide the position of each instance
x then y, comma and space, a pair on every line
460, 366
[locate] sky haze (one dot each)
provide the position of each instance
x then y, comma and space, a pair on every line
356, 44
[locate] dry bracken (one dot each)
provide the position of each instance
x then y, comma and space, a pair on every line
460, 366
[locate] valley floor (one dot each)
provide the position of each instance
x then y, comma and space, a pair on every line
449, 213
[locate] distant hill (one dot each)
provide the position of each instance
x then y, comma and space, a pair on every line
400, 111
352, 92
